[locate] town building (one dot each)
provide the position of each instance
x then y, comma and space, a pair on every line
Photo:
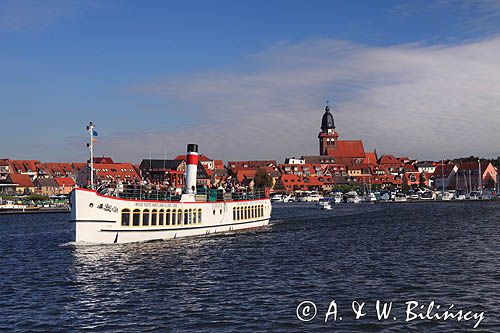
473, 176
21, 182
65, 184
445, 176
46, 186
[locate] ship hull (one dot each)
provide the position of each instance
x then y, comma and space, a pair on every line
100, 219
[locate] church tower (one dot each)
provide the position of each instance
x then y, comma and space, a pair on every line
328, 136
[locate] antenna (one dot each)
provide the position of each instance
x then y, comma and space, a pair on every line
90, 129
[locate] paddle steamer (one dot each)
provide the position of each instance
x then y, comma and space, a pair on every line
122, 215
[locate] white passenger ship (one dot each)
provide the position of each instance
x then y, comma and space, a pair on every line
122, 216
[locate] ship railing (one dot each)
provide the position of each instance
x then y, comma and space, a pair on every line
147, 192
139, 192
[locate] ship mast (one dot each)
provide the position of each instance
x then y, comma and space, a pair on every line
90, 145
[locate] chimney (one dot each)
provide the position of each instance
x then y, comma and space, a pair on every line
191, 168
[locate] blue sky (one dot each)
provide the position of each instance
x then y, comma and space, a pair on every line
248, 79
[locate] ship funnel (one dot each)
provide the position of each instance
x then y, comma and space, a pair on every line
191, 168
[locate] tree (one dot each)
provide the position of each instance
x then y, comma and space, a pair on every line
422, 180
262, 179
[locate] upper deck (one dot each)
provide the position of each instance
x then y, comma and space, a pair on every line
152, 193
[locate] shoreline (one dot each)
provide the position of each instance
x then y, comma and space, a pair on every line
35, 211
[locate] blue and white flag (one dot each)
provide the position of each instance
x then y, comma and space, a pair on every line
94, 132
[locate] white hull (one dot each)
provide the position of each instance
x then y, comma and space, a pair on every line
98, 219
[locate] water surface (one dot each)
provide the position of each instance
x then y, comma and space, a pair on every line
253, 281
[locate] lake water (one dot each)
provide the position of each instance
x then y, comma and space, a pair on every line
254, 281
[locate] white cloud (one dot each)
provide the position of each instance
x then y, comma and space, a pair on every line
417, 100
18, 15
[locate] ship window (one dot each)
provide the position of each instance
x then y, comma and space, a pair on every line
190, 216
194, 216
234, 213
126, 217
199, 215
186, 216
174, 216
237, 213
179, 216
245, 214
136, 221
154, 217
145, 217
160, 217
214, 211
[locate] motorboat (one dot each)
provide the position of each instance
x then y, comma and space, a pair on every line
313, 197
428, 195
400, 197
276, 197
370, 197
352, 197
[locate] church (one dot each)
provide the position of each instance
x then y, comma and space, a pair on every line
334, 151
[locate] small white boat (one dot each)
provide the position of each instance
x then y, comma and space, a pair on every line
400, 197
10, 205
353, 197
338, 197
289, 198
313, 197
326, 206
276, 198
428, 195
447, 196
370, 197
322, 203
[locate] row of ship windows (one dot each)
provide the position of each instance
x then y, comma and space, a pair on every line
138, 218
248, 212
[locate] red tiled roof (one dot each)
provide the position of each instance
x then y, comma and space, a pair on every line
241, 175
64, 181
474, 166
116, 171
349, 149
21, 180
59, 169
201, 158
103, 159
77, 166
370, 159
25, 165
443, 171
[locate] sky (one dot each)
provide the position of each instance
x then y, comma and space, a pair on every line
248, 79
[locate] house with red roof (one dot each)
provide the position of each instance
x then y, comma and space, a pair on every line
22, 183
65, 184
5, 168
46, 186
445, 176
105, 172
103, 159
60, 169
473, 176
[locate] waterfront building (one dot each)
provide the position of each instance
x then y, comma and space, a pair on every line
61, 170
425, 166
5, 168
65, 184
21, 182
103, 159
46, 186
293, 160
469, 178
104, 172
445, 176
